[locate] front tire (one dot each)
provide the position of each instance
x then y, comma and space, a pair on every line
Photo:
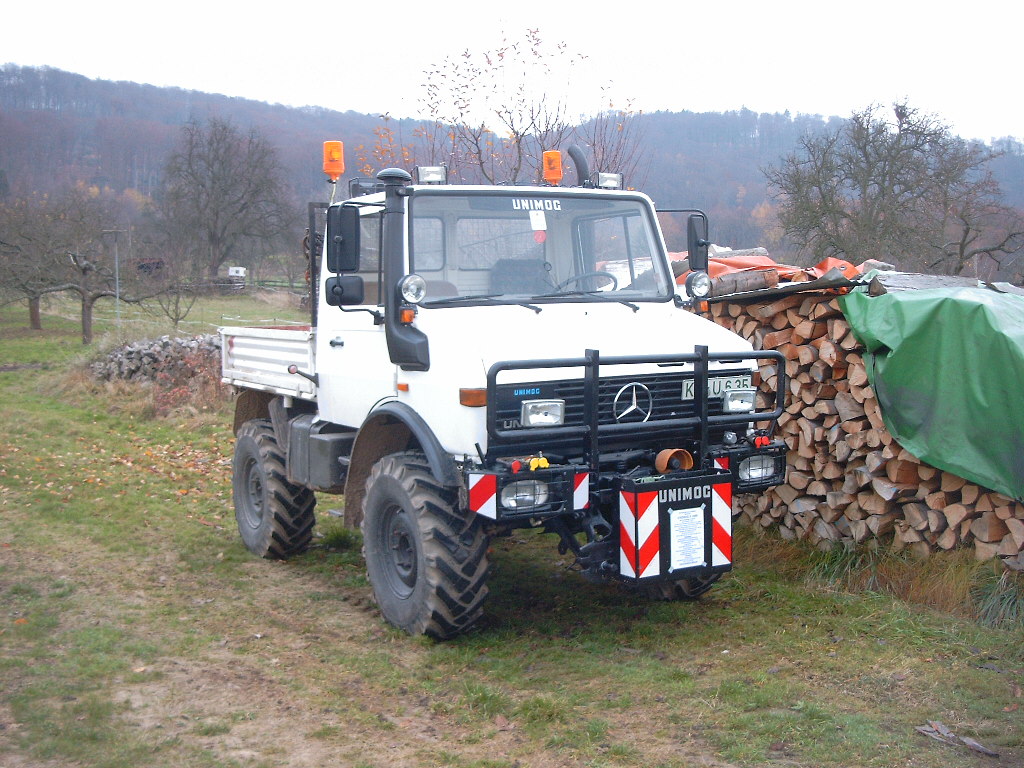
427, 562
275, 516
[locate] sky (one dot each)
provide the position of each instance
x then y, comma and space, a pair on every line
961, 63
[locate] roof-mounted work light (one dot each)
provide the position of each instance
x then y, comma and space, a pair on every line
609, 180
431, 174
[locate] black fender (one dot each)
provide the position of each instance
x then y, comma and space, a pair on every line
390, 428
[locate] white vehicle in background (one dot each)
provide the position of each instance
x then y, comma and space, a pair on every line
487, 358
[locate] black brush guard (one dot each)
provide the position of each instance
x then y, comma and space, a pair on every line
592, 431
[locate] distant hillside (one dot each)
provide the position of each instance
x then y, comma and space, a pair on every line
57, 128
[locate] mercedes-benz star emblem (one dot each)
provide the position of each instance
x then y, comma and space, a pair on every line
633, 400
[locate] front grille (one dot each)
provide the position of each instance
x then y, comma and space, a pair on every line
665, 390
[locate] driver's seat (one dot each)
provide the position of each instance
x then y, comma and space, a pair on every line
522, 276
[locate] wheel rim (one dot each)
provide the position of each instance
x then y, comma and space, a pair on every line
400, 557
252, 509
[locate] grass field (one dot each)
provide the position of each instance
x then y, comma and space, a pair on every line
136, 630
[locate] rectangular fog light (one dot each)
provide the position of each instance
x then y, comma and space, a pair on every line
738, 400
524, 494
542, 413
756, 468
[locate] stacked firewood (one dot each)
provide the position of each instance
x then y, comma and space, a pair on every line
849, 480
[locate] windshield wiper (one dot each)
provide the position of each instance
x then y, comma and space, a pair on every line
492, 298
593, 294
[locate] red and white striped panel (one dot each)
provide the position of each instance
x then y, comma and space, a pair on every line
581, 491
639, 535
721, 520
483, 495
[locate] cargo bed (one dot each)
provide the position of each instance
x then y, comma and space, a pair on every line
258, 358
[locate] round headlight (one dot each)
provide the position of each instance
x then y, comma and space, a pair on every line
698, 285
413, 289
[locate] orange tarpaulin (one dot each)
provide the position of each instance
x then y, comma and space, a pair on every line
752, 263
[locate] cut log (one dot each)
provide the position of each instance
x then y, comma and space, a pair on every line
858, 376
819, 488
955, 514
989, 528
787, 493
1016, 529
969, 493
875, 462
951, 482
847, 407
766, 311
882, 524
916, 515
902, 471
936, 521
799, 480
890, 491
948, 539
859, 530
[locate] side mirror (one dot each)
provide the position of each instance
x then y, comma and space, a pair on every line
344, 291
697, 242
342, 239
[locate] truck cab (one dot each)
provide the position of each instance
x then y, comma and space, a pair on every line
487, 358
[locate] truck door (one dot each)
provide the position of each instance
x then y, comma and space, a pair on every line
354, 368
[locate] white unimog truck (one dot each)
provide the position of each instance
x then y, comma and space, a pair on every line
487, 358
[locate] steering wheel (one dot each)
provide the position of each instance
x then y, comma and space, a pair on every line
584, 275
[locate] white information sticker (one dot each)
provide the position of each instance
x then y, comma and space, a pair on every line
687, 528
538, 221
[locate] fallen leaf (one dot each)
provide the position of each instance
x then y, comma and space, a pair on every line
1012, 708
21, 621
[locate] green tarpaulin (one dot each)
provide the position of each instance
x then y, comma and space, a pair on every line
947, 367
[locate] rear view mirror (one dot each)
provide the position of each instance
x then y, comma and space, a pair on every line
344, 291
342, 238
697, 242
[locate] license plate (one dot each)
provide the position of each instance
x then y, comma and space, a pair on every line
719, 385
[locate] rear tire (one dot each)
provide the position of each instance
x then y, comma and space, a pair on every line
427, 561
275, 516
682, 589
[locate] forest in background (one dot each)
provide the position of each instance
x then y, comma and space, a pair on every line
59, 128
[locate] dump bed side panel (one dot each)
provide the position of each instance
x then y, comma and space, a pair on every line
258, 358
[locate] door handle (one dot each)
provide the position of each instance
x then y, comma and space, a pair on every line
336, 342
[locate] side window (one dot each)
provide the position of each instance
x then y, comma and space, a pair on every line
369, 256
428, 244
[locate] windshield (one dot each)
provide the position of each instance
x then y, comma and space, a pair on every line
544, 247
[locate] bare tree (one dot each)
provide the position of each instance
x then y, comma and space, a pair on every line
64, 249
33, 239
89, 268
615, 137
168, 271
491, 113
226, 190
902, 189
981, 234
